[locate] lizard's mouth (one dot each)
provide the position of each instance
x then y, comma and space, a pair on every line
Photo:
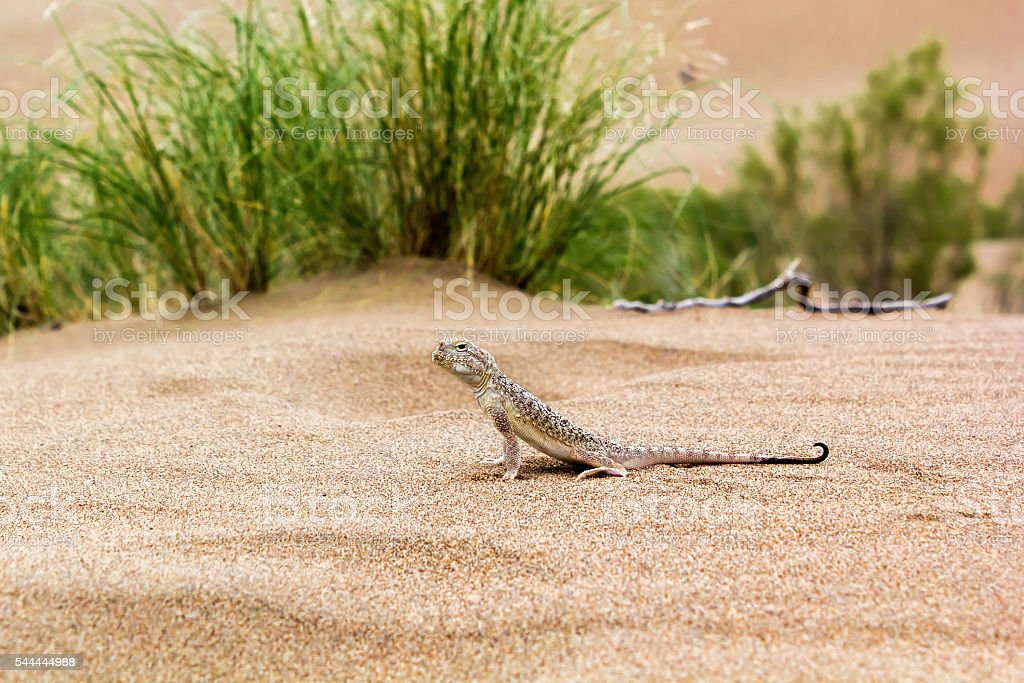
440, 358
450, 365
450, 362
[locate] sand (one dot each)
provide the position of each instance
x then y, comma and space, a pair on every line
305, 501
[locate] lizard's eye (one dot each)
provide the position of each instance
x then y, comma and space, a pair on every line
460, 346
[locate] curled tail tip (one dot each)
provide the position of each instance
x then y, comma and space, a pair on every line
824, 452
800, 461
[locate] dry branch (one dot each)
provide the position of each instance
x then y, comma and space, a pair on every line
787, 276
802, 284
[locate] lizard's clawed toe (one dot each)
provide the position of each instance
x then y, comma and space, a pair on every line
610, 471
509, 476
492, 461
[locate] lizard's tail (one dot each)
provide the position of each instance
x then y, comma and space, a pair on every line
799, 461
639, 456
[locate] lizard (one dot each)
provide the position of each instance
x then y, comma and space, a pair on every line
518, 414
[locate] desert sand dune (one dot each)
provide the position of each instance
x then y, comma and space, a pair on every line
306, 502
298, 495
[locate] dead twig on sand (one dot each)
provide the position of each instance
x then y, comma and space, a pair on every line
801, 283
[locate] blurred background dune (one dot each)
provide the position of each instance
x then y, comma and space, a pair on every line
793, 51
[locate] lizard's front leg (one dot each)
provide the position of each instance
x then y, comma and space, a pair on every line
511, 456
599, 462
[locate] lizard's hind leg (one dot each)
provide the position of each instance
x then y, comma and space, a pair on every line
600, 464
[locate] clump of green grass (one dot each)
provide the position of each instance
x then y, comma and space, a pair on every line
496, 162
506, 160
35, 277
184, 170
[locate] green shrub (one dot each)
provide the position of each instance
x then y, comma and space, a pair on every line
183, 172
36, 280
506, 163
870, 191
1006, 219
502, 157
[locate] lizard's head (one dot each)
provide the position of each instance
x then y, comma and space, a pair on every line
464, 359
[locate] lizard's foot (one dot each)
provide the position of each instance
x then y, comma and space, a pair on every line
510, 475
611, 471
500, 460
